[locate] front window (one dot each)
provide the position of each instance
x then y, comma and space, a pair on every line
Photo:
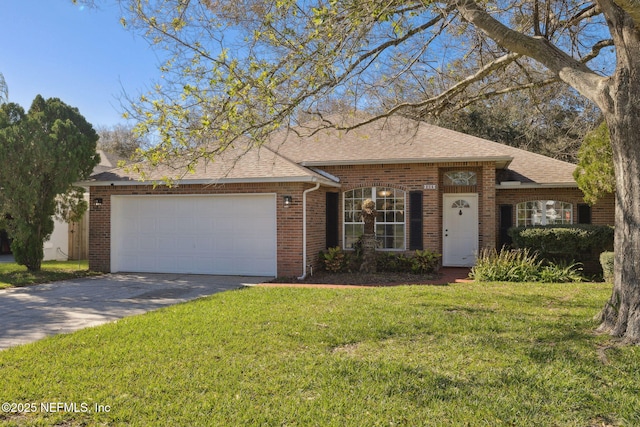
390, 209
543, 212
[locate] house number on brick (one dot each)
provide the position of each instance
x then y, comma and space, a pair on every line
430, 187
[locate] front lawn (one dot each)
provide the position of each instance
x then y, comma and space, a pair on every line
12, 274
466, 354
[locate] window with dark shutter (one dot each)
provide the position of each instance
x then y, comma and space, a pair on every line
415, 220
333, 212
506, 222
584, 213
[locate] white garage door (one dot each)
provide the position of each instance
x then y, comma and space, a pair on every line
230, 234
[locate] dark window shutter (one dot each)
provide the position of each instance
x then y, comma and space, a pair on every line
584, 213
506, 222
333, 213
415, 220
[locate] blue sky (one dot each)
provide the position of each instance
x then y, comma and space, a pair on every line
82, 56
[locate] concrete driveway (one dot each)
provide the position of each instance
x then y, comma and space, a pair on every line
34, 312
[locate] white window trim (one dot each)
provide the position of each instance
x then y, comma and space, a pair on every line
374, 197
543, 212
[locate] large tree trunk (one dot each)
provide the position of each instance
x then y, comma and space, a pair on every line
620, 104
619, 99
621, 315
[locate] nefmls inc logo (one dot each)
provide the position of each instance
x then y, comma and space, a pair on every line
64, 407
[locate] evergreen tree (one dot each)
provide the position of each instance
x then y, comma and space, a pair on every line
42, 153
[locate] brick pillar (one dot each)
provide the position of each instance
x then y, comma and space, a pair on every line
488, 216
99, 230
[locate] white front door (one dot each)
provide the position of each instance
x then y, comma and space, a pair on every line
460, 230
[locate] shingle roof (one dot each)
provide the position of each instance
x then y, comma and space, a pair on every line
401, 140
258, 164
532, 168
108, 161
298, 155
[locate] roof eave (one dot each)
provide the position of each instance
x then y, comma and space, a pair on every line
529, 185
270, 180
502, 162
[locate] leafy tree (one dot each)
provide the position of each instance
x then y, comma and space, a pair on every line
42, 153
244, 69
594, 174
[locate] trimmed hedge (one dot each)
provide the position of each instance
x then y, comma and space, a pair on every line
564, 239
567, 242
336, 260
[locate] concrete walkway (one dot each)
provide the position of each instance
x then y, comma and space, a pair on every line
31, 313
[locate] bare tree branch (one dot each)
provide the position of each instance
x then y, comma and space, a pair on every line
440, 102
569, 70
4, 90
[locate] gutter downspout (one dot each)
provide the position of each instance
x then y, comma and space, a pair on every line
304, 230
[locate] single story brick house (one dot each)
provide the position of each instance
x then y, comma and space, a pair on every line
271, 211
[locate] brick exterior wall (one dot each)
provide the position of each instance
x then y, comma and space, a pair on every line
602, 213
316, 226
405, 177
410, 177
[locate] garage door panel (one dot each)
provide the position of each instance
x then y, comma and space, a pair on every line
219, 226
224, 235
164, 241
245, 207
262, 245
203, 245
242, 244
262, 263
230, 234
261, 222
166, 223
188, 262
185, 224
185, 245
147, 263
131, 225
147, 243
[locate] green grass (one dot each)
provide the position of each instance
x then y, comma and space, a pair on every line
12, 274
467, 354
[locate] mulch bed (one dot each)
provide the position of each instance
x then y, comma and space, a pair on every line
375, 279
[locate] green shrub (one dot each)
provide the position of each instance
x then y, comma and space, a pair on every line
389, 262
424, 261
561, 272
506, 265
563, 239
606, 260
566, 243
522, 265
420, 262
335, 260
